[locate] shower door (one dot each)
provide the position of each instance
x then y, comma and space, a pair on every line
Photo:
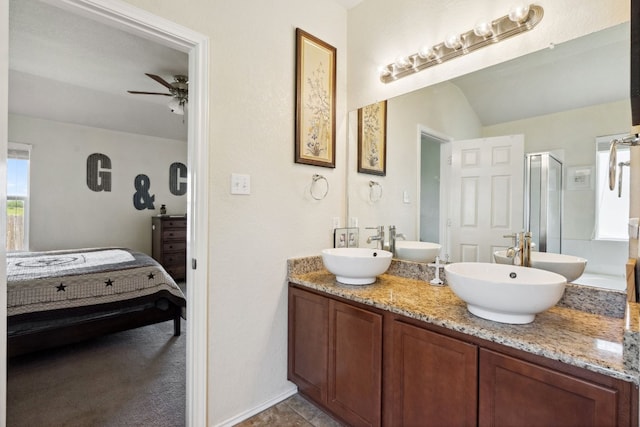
543, 201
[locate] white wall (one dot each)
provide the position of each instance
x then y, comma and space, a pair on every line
252, 110
65, 213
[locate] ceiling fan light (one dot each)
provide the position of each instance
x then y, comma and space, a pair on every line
176, 106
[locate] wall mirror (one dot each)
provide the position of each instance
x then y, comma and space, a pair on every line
559, 101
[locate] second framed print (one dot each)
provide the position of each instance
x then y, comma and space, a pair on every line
372, 139
315, 141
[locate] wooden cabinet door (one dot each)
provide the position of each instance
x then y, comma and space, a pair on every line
355, 364
515, 392
434, 379
308, 343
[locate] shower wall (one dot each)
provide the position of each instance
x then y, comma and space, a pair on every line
543, 201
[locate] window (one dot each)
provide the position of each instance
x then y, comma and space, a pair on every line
612, 212
18, 197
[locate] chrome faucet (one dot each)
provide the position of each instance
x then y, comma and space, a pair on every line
513, 249
521, 248
393, 236
378, 237
525, 252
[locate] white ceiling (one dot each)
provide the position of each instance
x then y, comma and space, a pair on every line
68, 68
593, 69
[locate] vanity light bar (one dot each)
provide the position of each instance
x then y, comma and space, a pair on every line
516, 22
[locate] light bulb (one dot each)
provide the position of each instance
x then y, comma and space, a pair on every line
426, 52
453, 41
383, 70
402, 62
483, 29
519, 13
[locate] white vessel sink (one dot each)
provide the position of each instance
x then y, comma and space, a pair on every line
571, 267
411, 250
504, 293
501, 257
356, 266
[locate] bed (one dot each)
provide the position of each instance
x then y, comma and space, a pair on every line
56, 298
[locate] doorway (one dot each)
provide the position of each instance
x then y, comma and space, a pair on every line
163, 32
430, 188
434, 153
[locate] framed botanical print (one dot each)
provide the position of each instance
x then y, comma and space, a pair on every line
372, 139
315, 140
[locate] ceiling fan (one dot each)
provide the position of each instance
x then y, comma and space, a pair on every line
178, 90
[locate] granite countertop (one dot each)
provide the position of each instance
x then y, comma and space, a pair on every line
603, 344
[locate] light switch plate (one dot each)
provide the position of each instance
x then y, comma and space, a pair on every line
240, 183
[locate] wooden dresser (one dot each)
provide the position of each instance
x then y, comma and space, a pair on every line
169, 244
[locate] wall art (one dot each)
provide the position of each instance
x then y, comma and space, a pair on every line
372, 139
315, 140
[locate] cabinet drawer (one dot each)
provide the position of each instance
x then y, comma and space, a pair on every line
174, 233
174, 246
174, 258
177, 271
174, 223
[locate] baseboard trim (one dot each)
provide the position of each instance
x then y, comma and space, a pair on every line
251, 412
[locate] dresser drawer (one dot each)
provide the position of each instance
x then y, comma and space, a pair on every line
174, 258
174, 233
178, 272
176, 246
174, 223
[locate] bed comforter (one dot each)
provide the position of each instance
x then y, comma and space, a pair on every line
54, 286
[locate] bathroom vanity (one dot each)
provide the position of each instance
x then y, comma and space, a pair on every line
403, 352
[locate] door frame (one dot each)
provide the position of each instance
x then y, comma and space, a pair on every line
157, 29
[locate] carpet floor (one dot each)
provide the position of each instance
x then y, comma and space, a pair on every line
131, 378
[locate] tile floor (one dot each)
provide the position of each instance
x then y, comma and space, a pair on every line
294, 411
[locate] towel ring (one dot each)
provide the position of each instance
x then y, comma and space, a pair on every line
314, 180
375, 191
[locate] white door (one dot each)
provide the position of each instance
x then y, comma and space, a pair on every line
486, 196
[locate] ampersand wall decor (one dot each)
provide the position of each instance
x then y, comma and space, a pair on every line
141, 198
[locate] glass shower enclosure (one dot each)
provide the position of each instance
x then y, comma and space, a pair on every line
543, 200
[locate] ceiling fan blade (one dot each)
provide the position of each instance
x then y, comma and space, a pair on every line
160, 80
148, 93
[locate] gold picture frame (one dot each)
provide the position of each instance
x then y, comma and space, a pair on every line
315, 140
372, 139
